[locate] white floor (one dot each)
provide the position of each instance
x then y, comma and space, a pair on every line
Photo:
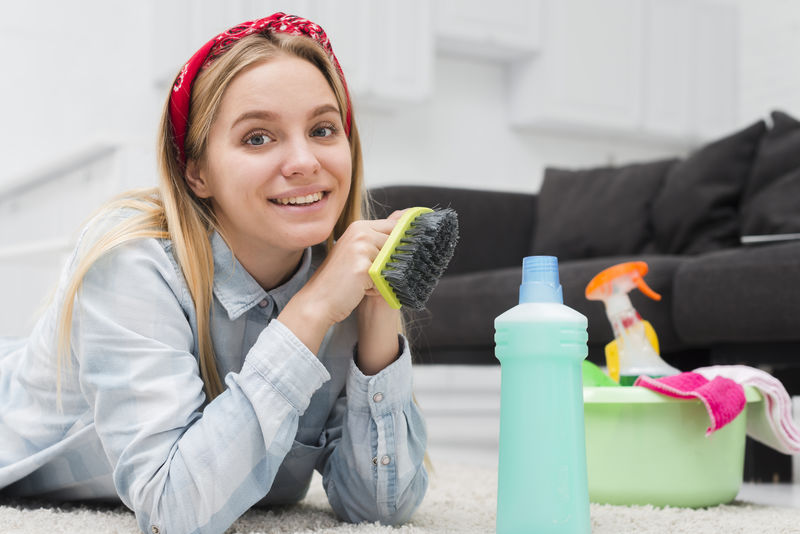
774, 494
462, 409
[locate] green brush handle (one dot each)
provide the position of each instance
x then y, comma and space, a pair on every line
385, 255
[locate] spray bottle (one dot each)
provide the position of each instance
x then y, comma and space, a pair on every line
635, 341
542, 478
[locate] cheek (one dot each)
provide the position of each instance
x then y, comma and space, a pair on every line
237, 175
344, 168
345, 184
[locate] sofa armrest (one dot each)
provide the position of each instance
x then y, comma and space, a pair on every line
495, 228
739, 295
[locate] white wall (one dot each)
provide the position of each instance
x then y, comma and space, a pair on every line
92, 70
90, 73
74, 74
462, 137
769, 51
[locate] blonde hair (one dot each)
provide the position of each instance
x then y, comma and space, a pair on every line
172, 211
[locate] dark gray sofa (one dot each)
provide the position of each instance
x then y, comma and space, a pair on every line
723, 301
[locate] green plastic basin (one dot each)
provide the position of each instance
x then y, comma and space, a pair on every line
646, 448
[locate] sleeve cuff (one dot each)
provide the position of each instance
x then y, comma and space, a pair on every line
386, 392
283, 361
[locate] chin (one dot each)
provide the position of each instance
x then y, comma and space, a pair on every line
312, 238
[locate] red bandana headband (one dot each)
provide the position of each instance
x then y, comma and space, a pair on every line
278, 23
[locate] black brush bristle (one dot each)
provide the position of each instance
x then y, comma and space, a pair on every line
422, 257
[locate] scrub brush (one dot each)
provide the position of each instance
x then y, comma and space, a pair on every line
415, 256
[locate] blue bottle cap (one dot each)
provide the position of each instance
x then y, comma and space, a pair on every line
540, 281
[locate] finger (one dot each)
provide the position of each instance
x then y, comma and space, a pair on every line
373, 235
395, 215
384, 226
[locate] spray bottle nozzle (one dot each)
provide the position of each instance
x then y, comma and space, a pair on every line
620, 278
644, 288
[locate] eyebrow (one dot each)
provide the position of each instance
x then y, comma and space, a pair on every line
271, 116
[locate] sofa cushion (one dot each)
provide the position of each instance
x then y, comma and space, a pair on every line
597, 212
747, 294
771, 200
776, 208
778, 154
697, 209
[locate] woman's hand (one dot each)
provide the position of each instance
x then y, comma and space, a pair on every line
340, 283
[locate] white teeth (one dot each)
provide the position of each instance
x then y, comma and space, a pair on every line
308, 199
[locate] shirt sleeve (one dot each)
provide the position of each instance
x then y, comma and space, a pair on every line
376, 471
179, 466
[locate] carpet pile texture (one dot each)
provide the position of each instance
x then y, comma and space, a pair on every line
461, 499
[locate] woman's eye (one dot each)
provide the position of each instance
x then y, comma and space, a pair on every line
323, 131
257, 139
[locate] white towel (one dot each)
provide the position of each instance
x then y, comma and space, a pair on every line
773, 425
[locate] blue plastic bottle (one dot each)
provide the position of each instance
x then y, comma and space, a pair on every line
542, 482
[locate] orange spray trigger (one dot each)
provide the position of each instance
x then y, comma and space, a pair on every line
622, 274
644, 288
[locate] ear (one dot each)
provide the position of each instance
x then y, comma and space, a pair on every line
196, 179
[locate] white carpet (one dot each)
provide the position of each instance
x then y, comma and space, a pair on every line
461, 499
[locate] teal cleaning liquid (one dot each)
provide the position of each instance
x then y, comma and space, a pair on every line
542, 482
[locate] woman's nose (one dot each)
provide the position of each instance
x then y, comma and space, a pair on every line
299, 159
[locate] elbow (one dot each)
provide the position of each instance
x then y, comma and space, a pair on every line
145, 502
390, 512
408, 502
157, 510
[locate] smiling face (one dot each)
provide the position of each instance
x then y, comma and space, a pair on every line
277, 166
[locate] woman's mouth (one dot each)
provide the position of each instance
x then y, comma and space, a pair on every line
306, 200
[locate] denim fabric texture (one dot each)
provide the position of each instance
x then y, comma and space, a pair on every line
135, 424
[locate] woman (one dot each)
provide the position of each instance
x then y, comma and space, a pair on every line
201, 353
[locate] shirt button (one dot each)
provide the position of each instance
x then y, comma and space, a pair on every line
386, 460
377, 397
375, 461
263, 303
154, 529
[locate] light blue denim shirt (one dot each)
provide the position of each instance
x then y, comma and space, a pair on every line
135, 423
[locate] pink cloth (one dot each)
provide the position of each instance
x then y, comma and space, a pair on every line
723, 398
771, 424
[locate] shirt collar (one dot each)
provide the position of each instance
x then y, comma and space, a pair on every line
238, 291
